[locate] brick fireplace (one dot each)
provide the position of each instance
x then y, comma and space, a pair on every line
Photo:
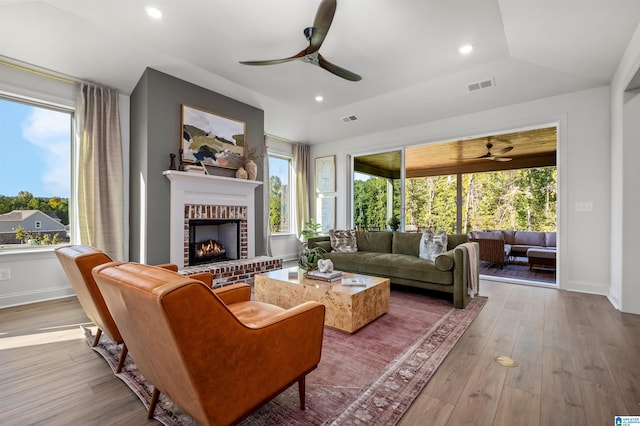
215, 198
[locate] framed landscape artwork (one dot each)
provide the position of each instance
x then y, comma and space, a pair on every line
326, 213
212, 139
326, 174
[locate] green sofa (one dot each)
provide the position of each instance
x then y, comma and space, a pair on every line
395, 255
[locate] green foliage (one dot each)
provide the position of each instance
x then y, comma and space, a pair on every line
310, 256
311, 229
431, 202
26, 201
370, 202
394, 222
20, 234
275, 204
523, 199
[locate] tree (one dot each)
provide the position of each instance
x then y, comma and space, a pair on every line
523, 199
275, 204
20, 234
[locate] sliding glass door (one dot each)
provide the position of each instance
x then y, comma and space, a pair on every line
377, 191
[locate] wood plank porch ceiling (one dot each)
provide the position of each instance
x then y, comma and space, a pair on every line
531, 148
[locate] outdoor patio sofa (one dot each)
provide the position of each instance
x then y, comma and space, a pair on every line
395, 255
497, 246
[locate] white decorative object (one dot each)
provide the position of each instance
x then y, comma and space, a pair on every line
325, 265
252, 169
241, 173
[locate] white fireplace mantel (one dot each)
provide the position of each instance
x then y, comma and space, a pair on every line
195, 188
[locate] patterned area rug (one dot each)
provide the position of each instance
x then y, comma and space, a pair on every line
369, 377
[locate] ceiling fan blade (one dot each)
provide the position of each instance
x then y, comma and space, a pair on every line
502, 159
506, 149
275, 61
267, 62
321, 24
339, 71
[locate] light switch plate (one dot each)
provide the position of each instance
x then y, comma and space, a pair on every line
584, 206
5, 274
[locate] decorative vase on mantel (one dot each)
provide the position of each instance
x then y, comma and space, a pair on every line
252, 169
241, 173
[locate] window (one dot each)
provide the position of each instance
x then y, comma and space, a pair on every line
35, 173
280, 194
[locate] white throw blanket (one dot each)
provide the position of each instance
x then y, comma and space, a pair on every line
472, 282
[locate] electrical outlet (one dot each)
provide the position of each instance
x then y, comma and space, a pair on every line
584, 206
5, 274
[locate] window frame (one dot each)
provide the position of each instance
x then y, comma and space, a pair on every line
13, 94
291, 191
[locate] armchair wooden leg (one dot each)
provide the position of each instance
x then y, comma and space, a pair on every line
301, 391
153, 402
123, 356
95, 339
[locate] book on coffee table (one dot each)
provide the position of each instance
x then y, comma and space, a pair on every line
354, 282
324, 276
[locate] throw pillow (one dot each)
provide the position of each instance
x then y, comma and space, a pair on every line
432, 244
343, 241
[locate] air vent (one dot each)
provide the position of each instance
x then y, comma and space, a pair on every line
484, 84
348, 118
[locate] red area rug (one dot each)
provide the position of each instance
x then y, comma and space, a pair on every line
370, 377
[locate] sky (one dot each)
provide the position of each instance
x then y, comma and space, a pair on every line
36, 150
279, 167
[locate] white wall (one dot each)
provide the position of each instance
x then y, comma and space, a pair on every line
583, 171
625, 151
36, 274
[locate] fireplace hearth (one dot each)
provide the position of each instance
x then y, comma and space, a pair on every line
205, 197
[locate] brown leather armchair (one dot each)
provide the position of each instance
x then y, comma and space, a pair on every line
215, 353
77, 262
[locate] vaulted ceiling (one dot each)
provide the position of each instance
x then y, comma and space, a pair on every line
405, 50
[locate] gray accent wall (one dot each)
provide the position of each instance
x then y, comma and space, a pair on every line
155, 133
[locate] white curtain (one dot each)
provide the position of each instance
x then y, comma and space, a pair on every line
100, 197
301, 162
266, 192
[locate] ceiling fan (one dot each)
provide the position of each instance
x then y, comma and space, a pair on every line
491, 156
315, 35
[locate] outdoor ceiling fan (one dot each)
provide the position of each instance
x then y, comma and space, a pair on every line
491, 156
315, 35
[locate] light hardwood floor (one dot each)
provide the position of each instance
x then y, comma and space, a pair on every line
578, 364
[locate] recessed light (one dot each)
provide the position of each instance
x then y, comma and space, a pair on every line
319, 98
153, 12
465, 49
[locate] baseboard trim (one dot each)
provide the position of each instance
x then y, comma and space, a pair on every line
587, 287
34, 296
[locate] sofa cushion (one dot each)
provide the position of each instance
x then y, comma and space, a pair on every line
550, 239
508, 235
487, 235
529, 238
432, 244
325, 245
445, 261
374, 241
408, 267
343, 241
454, 240
406, 243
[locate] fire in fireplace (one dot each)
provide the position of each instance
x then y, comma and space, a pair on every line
213, 240
208, 250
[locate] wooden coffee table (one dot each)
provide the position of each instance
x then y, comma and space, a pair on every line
347, 308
